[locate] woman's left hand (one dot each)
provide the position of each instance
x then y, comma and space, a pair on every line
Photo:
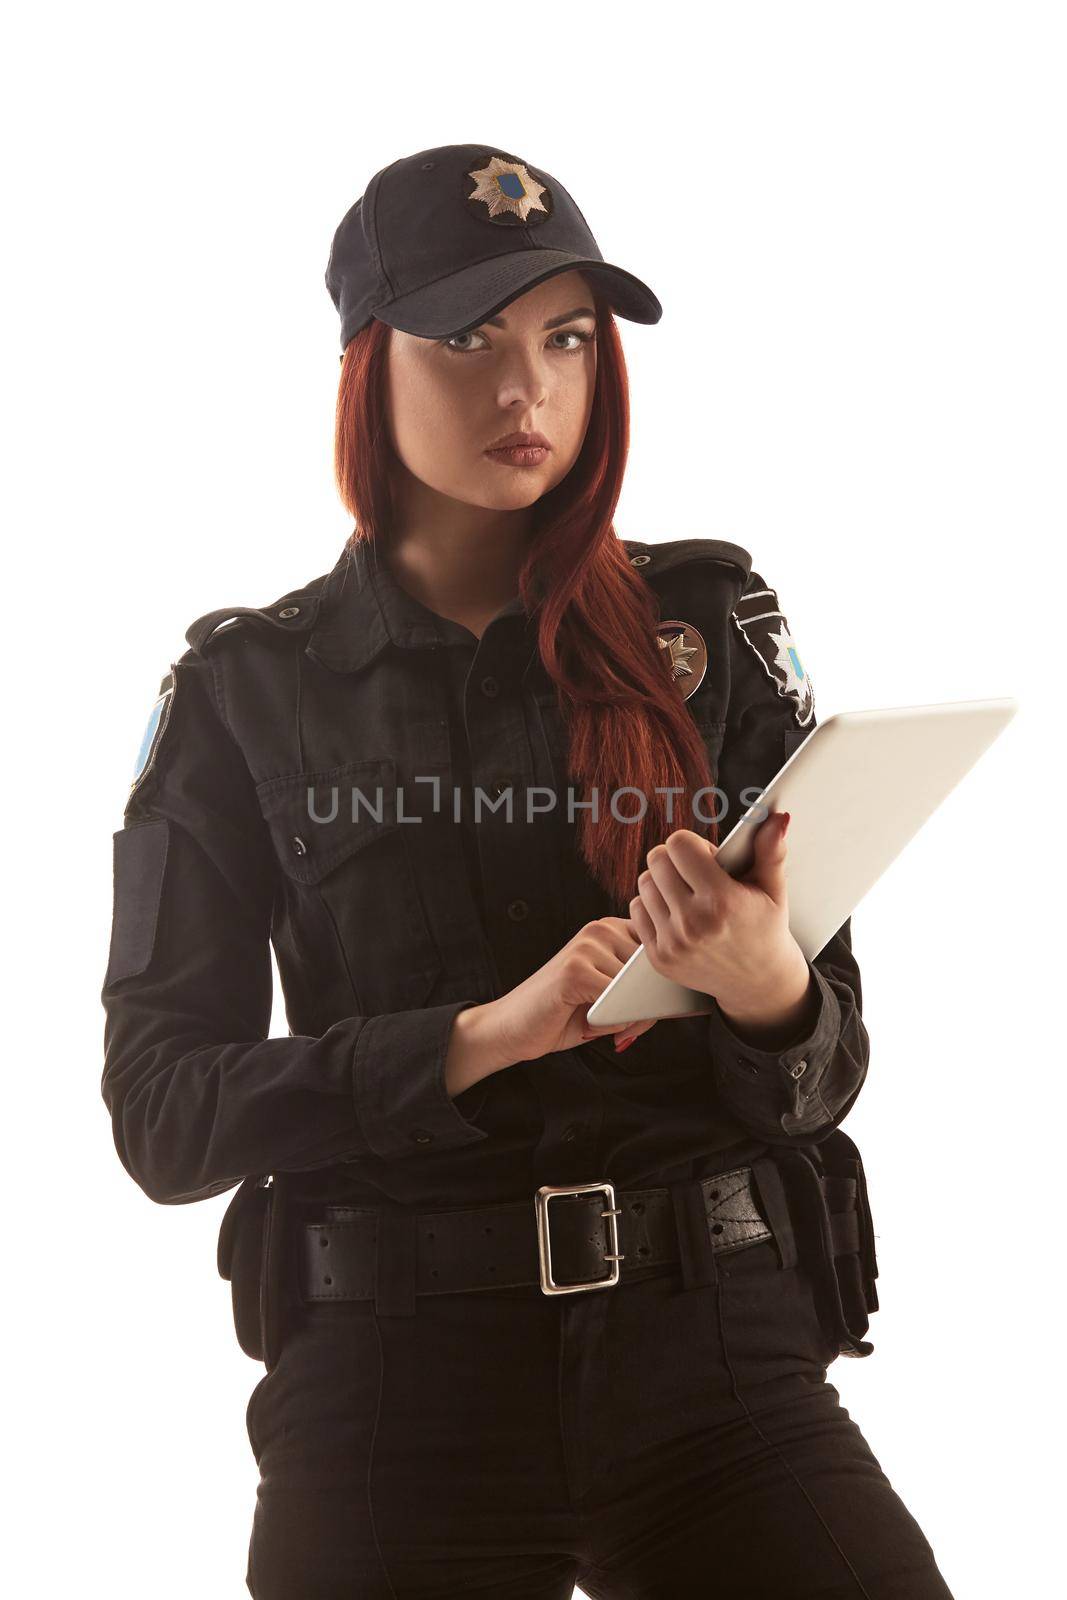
727, 937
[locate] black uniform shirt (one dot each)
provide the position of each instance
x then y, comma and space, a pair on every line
388, 915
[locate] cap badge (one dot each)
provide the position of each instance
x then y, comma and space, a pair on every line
509, 193
685, 652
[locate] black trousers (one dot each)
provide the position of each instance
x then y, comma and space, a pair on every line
645, 1442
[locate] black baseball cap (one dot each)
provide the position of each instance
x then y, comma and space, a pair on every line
443, 239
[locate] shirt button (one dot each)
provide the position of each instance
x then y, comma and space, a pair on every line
799, 1070
420, 1136
490, 687
299, 847
518, 911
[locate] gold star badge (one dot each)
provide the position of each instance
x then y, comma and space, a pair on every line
686, 654
509, 193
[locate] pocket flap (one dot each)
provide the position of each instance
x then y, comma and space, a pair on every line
319, 819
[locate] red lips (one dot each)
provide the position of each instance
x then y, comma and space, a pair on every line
519, 441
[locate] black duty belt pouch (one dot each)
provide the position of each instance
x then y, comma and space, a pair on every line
253, 1250
827, 1190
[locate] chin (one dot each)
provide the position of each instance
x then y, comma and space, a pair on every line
525, 491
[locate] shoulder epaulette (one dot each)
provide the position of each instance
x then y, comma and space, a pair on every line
657, 558
293, 613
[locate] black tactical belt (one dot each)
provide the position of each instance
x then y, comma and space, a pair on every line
567, 1238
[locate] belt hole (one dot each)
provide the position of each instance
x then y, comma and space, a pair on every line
429, 1236
642, 1249
716, 1227
488, 1230
433, 1272
637, 1207
323, 1241
714, 1194
327, 1280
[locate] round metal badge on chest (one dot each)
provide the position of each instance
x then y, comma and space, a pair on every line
685, 652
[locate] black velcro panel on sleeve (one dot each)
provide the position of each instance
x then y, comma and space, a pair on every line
140, 857
794, 738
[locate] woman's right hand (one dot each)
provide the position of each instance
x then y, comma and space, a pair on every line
547, 1011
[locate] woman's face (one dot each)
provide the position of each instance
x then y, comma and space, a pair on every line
529, 369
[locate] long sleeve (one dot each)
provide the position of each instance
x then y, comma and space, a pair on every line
199, 1096
804, 1090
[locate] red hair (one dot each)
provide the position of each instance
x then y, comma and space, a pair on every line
626, 719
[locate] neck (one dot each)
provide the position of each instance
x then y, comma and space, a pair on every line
461, 560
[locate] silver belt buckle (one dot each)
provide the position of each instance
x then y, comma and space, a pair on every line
548, 1192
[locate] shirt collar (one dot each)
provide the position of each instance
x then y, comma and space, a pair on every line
364, 608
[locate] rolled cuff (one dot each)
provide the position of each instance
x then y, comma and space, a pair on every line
776, 1091
401, 1099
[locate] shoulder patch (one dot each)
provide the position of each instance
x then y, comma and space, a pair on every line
155, 728
763, 626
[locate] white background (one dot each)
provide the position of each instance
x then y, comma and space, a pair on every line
853, 216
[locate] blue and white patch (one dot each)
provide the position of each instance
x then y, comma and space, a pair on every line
764, 628
155, 727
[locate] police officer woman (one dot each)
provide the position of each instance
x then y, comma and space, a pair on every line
538, 1306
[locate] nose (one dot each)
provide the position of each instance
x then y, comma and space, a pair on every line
523, 379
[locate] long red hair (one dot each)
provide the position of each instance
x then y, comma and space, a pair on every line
626, 720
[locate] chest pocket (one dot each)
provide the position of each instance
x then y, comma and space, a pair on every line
712, 733
555, 732
714, 804
344, 853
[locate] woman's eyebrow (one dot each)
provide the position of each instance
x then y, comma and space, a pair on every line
553, 322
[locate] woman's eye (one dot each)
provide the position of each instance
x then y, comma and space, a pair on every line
573, 333
458, 350
453, 348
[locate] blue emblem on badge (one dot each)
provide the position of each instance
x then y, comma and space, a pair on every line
509, 192
157, 721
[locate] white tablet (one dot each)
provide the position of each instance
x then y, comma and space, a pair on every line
859, 787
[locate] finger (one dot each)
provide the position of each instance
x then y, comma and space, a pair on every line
673, 887
769, 857
632, 1031
650, 897
692, 855
618, 935
643, 924
599, 972
595, 981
